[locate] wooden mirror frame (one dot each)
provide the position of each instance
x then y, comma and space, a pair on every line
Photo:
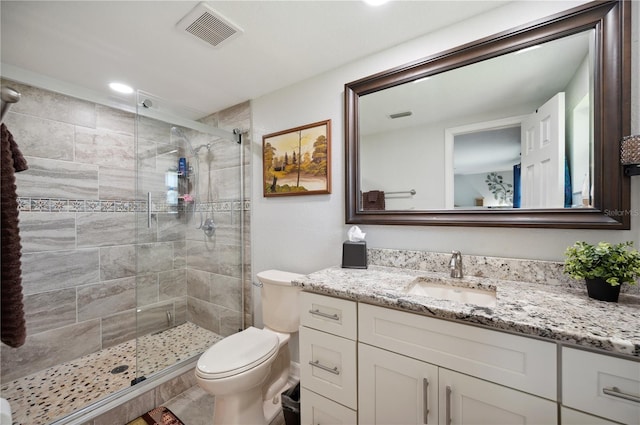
612, 88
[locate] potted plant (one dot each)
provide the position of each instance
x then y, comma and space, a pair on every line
604, 267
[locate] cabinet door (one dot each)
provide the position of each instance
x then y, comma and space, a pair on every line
395, 389
317, 410
471, 401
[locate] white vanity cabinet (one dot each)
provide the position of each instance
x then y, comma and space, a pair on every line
410, 372
601, 385
328, 371
369, 364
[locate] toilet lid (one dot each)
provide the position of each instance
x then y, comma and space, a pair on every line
237, 353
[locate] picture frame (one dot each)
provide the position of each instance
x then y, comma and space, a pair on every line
297, 161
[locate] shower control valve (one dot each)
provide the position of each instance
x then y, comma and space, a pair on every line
209, 227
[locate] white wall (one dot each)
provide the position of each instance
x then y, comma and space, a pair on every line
468, 187
405, 159
305, 233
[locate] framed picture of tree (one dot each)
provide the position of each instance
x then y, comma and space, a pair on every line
297, 161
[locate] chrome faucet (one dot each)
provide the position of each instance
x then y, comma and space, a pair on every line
455, 264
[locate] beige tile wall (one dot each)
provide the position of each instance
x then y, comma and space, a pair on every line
82, 283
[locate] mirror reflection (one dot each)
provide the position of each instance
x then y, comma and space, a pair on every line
514, 131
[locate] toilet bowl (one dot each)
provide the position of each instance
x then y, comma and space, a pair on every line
247, 371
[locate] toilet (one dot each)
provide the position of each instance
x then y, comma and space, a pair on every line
247, 371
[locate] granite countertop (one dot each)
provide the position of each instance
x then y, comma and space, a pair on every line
558, 313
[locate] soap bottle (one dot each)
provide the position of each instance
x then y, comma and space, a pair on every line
182, 167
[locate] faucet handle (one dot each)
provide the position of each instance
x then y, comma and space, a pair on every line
456, 264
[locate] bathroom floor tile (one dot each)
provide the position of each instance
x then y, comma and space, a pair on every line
195, 407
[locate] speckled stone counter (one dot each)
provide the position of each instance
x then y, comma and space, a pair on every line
557, 310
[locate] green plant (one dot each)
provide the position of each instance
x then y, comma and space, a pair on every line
502, 192
615, 264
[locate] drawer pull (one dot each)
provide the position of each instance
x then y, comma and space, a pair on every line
317, 364
447, 420
615, 392
327, 315
425, 400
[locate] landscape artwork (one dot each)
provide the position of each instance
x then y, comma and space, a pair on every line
297, 161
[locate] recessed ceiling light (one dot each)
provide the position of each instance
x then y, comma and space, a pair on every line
121, 88
375, 2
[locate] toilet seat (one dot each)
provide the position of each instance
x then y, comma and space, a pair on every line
237, 353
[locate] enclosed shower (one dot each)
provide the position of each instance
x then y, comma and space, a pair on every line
134, 260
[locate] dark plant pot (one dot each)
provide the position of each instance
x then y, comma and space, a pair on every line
599, 289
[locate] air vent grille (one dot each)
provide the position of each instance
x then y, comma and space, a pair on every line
209, 26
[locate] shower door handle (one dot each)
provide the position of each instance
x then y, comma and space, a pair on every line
149, 210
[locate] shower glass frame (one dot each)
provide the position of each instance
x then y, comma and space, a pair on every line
189, 234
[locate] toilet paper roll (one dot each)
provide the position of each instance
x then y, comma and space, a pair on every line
5, 412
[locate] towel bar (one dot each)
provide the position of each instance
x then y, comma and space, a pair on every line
411, 192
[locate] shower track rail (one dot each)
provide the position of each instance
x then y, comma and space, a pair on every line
92, 411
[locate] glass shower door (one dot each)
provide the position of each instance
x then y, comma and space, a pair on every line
189, 237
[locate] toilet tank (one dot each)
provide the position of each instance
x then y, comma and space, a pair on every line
280, 310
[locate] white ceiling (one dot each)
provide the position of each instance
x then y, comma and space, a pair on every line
90, 43
512, 82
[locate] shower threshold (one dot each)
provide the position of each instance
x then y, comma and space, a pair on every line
61, 390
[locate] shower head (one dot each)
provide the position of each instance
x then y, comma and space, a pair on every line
147, 103
208, 146
177, 131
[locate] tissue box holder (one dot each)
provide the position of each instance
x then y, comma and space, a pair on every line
354, 255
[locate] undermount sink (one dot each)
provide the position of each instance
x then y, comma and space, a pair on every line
451, 291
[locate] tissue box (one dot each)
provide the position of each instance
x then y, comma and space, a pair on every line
354, 255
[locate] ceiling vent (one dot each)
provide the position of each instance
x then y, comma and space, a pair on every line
209, 25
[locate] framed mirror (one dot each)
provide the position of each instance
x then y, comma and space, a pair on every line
519, 129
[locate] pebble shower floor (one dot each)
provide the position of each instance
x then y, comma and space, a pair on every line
50, 394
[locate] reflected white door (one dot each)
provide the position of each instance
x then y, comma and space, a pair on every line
542, 178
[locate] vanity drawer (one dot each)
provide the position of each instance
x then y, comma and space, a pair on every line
586, 376
316, 409
518, 362
328, 366
573, 417
328, 314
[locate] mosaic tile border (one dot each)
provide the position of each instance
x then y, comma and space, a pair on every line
91, 205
